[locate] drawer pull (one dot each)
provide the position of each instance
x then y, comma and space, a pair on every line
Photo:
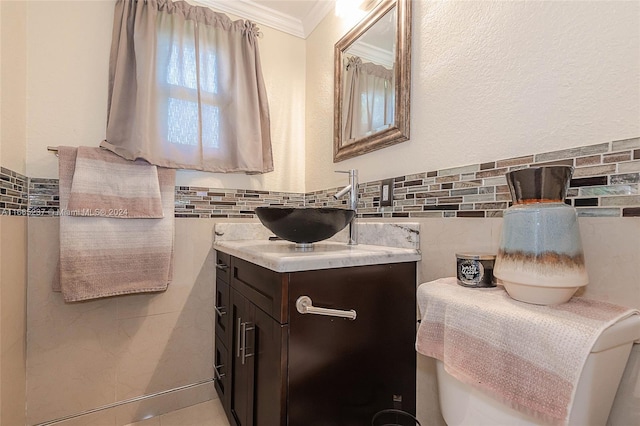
220, 310
238, 338
304, 305
241, 341
222, 266
217, 373
243, 349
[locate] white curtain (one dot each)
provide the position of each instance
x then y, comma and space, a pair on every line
186, 89
369, 99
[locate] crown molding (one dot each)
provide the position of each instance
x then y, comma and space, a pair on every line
371, 53
258, 13
320, 9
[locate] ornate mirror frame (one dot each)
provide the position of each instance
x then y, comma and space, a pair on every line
399, 131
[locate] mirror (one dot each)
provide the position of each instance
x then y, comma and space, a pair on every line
372, 73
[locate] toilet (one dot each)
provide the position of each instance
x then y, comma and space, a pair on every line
462, 404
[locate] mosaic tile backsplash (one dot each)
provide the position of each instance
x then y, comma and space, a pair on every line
605, 182
13, 193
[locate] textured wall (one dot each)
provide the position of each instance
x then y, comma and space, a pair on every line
13, 244
68, 45
82, 356
493, 80
497, 80
14, 81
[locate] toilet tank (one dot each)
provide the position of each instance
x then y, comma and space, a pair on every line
462, 404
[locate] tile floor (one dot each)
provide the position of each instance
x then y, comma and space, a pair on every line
208, 413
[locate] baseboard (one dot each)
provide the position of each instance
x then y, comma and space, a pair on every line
141, 408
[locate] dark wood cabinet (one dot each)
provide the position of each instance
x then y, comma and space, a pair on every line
243, 366
259, 368
222, 375
276, 366
222, 353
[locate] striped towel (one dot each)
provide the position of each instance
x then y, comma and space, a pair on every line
108, 256
526, 356
108, 186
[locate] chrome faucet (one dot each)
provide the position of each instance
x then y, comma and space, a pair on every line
352, 189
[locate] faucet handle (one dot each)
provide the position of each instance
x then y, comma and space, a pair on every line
350, 172
343, 171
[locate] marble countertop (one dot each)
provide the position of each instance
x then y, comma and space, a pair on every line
282, 256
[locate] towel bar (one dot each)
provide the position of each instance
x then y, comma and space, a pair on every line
54, 149
304, 305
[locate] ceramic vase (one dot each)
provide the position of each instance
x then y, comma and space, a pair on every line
540, 259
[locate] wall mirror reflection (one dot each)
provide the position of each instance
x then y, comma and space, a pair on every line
372, 81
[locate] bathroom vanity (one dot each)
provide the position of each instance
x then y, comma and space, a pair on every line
277, 366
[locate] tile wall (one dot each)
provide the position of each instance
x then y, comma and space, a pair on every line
144, 334
605, 182
13, 278
13, 193
89, 355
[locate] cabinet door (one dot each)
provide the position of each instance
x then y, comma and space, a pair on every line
223, 266
259, 379
222, 365
243, 364
341, 371
270, 383
222, 312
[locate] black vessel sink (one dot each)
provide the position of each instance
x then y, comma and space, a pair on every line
304, 225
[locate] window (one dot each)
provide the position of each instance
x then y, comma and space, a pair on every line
189, 121
186, 89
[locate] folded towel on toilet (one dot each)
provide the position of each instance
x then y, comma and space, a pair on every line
526, 356
104, 256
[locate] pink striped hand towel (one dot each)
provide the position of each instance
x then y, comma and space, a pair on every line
106, 185
526, 356
105, 256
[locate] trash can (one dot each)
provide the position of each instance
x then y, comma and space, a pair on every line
393, 417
